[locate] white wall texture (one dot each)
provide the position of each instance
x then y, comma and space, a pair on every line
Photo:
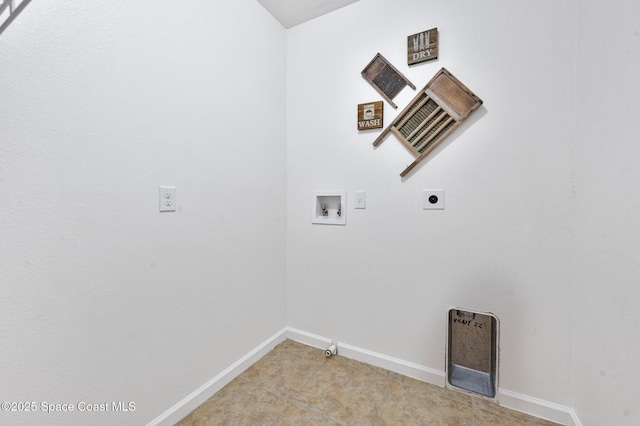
104, 298
607, 294
503, 244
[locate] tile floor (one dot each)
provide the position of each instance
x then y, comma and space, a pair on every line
296, 384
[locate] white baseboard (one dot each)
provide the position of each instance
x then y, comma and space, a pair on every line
396, 365
538, 407
308, 339
206, 391
405, 368
509, 399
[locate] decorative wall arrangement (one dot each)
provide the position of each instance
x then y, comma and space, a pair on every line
432, 115
370, 115
385, 78
422, 47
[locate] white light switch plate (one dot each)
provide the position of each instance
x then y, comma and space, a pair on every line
167, 198
360, 200
433, 199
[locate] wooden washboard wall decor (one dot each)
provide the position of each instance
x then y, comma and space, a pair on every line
385, 78
432, 115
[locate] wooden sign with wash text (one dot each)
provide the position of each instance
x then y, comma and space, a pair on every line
422, 47
370, 115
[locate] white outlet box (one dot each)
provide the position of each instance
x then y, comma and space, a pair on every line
167, 198
433, 199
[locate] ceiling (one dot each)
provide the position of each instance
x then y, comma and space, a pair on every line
293, 12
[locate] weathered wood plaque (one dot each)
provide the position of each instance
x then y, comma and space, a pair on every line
432, 115
422, 47
370, 115
385, 78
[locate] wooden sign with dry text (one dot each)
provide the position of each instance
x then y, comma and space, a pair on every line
422, 47
385, 78
370, 115
432, 115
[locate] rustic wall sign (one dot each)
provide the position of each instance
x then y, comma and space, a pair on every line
432, 115
422, 47
370, 115
385, 78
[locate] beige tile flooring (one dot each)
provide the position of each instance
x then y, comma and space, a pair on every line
296, 384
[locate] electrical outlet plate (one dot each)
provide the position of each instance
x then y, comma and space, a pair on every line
167, 198
433, 199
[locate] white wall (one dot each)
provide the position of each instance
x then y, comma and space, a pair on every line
607, 342
104, 298
503, 244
